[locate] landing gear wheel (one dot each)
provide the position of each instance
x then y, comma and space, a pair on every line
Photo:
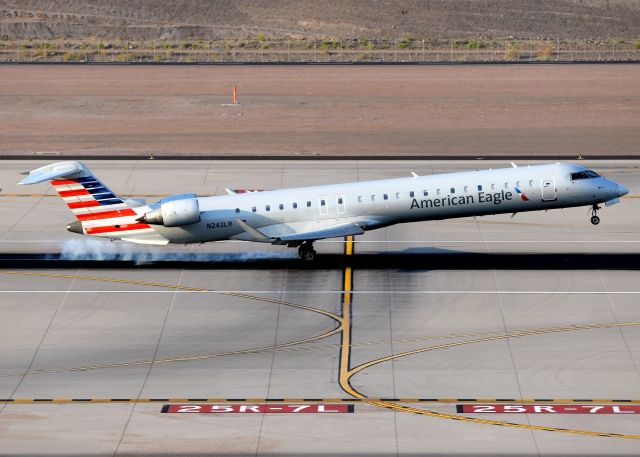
595, 220
308, 256
306, 252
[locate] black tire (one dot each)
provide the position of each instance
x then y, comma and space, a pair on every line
595, 220
308, 255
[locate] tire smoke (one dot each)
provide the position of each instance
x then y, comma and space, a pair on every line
98, 250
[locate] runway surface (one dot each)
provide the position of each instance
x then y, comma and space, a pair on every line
405, 323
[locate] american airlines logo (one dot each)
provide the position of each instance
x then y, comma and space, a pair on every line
482, 197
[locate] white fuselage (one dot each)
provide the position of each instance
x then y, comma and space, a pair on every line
375, 204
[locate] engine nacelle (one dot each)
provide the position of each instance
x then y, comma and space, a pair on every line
174, 213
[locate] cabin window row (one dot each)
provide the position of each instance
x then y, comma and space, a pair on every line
397, 196
452, 191
294, 205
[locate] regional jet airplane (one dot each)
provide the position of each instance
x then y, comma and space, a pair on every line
298, 217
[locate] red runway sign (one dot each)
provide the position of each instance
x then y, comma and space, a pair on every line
549, 409
264, 408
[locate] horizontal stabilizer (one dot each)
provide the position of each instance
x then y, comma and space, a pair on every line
334, 231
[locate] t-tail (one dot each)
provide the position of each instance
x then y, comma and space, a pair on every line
98, 210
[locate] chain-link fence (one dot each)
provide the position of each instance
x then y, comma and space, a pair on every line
407, 50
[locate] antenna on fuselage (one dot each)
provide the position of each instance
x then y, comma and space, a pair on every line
414, 174
514, 165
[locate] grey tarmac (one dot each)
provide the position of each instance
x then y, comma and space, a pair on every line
142, 332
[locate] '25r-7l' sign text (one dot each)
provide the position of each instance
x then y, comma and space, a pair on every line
264, 408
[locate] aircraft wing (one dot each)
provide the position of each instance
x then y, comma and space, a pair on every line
270, 234
333, 231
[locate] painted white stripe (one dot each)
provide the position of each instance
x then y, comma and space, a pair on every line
78, 198
69, 187
333, 292
95, 208
480, 241
80, 210
99, 209
111, 221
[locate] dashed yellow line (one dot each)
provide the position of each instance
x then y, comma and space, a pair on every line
346, 373
26, 401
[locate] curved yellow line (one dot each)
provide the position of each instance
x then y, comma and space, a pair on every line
426, 412
338, 319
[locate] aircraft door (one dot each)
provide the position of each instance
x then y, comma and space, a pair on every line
549, 193
340, 205
323, 205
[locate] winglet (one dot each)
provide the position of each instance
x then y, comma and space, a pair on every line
55, 171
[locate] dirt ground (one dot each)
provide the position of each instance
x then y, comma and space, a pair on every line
321, 110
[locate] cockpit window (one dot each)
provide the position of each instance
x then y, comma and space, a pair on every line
588, 174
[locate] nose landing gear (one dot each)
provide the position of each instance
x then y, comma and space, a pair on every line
595, 220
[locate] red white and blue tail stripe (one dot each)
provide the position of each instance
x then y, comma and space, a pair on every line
106, 213
100, 211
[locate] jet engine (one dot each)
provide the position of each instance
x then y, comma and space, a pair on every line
173, 213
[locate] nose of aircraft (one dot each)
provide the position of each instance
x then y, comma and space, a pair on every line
622, 190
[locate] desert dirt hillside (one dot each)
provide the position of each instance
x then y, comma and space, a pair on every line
209, 19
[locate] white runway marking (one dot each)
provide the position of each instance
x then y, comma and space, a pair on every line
384, 241
394, 292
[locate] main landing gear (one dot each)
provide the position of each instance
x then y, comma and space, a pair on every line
595, 220
306, 251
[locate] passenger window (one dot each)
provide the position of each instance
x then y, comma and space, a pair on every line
411, 194
425, 193
253, 209
295, 205
531, 183
385, 196
268, 208
281, 206
373, 198
517, 183
339, 200
493, 187
359, 198
308, 204
466, 189
322, 203
479, 188
397, 195
453, 190
506, 185
438, 192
